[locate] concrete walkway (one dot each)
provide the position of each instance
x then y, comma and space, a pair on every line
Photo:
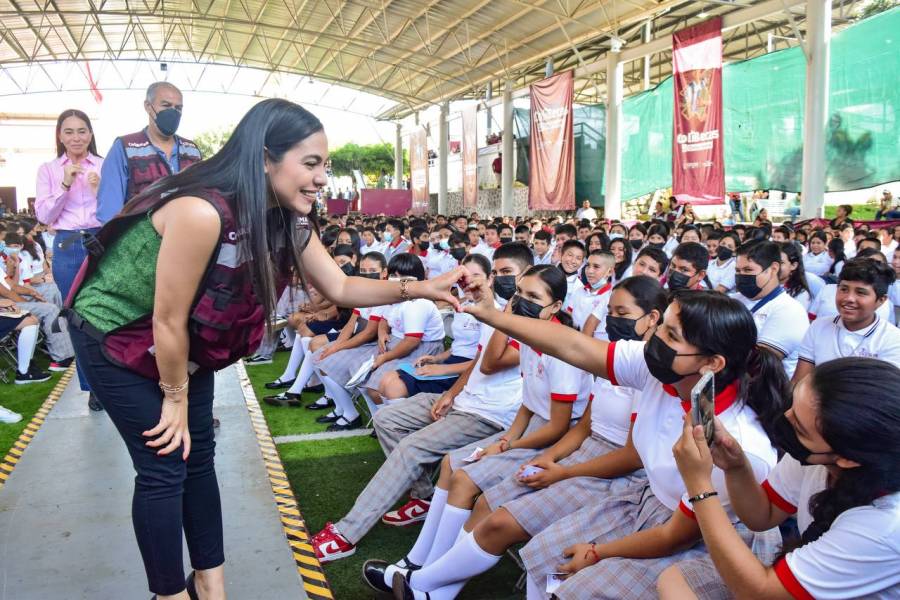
65, 512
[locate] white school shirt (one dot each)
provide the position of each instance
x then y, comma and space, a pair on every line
438, 262
858, 556
803, 298
894, 299
397, 246
585, 300
780, 323
484, 250
417, 318
611, 410
659, 423
573, 282
494, 397
722, 275
545, 259
546, 379
26, 267
466, 332
375, 247
816, 284
601, 309
828, 339
817, 264
824, 306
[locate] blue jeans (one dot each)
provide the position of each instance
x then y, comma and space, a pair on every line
171, 495
68, 254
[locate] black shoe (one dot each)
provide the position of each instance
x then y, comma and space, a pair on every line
283, 399
329, 418
373, 575
279, 384
346, 425
314, 389
401, 588
94, 404
216, 425
316, 406
61, 365
34, 375
373, 435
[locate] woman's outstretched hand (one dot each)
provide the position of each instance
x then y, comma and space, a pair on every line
482, 303
440, 288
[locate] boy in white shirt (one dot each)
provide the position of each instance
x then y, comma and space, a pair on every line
543, 252
857, 330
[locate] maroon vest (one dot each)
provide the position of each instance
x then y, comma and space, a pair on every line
146, 166
227, 321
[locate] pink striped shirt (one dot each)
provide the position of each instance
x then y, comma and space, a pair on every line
67, 210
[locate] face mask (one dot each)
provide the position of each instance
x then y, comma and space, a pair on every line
526, 308
424, 245
659, 357
785, 438
505, 286
167, 121
506, 240
599, 283
747, 286
444, 245
347, 268
616, 236
621, 328
2, 246
636, 244
388, 237
657, 245
678, 280
10, 251
370, 275
458, 253
724, 253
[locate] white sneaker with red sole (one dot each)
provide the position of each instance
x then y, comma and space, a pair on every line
410, 513
330, 545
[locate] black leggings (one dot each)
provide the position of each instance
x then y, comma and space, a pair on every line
169, 493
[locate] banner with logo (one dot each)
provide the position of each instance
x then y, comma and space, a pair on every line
551, 183
418, 167
698, 164
470, 155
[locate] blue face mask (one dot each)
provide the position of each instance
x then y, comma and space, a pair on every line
388, 237
600, 283
445, 244
2, 246
10, 251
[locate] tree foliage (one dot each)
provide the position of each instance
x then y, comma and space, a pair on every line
212, 141
874, 7
369, 159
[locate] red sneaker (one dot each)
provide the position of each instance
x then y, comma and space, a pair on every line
330, 545
412, 512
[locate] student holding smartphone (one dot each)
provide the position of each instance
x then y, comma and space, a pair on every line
839, 477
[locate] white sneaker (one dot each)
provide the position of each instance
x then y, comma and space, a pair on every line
8, 416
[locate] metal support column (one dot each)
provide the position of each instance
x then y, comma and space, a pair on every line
815, 118
506, 162
398, 159
443, 152
615, 76
648, 35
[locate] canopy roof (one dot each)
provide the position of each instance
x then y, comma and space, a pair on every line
414, 52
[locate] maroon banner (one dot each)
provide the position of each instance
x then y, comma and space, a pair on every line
418, 168
393, 203
337, 206
551, 184
698, 164
470, 156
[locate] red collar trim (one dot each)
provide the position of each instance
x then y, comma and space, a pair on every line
496, 245
396, 242
417, 252
599, 291
724, 399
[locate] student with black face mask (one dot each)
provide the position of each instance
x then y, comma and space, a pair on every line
629, 536
839, 476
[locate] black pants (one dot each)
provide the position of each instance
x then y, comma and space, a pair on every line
170, 495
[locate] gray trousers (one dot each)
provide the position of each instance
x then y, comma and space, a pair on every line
412, 443
58, 343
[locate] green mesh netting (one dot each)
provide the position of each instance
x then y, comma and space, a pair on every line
763, 121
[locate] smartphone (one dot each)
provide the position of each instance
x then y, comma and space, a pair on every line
703, 405
554, 580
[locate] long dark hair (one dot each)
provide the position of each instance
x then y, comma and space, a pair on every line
555, 280
73, 112
796, 281
836, 246
269, 129
718, 324
647, 292
866, 432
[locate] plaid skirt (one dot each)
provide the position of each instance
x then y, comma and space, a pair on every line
341, 366
535, 510
392, 365
491, 470
613, 518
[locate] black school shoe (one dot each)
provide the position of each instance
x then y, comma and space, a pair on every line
373, 574
93, 403
317, 406
283, 399
346, 425
34, 375
329, 418
279, 384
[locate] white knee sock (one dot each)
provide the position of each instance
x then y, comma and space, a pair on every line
306, 371
26, 344
343, 402
459, 564
448, 531
297, 354
419, 553
289, 336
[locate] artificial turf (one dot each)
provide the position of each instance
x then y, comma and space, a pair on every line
327, 475
25, 400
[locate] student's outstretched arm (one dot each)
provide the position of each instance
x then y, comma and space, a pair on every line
548, 337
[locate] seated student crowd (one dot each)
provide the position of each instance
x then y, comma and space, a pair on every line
582, 447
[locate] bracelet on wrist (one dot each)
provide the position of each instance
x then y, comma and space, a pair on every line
594, 553
173, 389
702, 496
404, 293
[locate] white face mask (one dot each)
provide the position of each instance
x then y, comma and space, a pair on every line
616, 236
